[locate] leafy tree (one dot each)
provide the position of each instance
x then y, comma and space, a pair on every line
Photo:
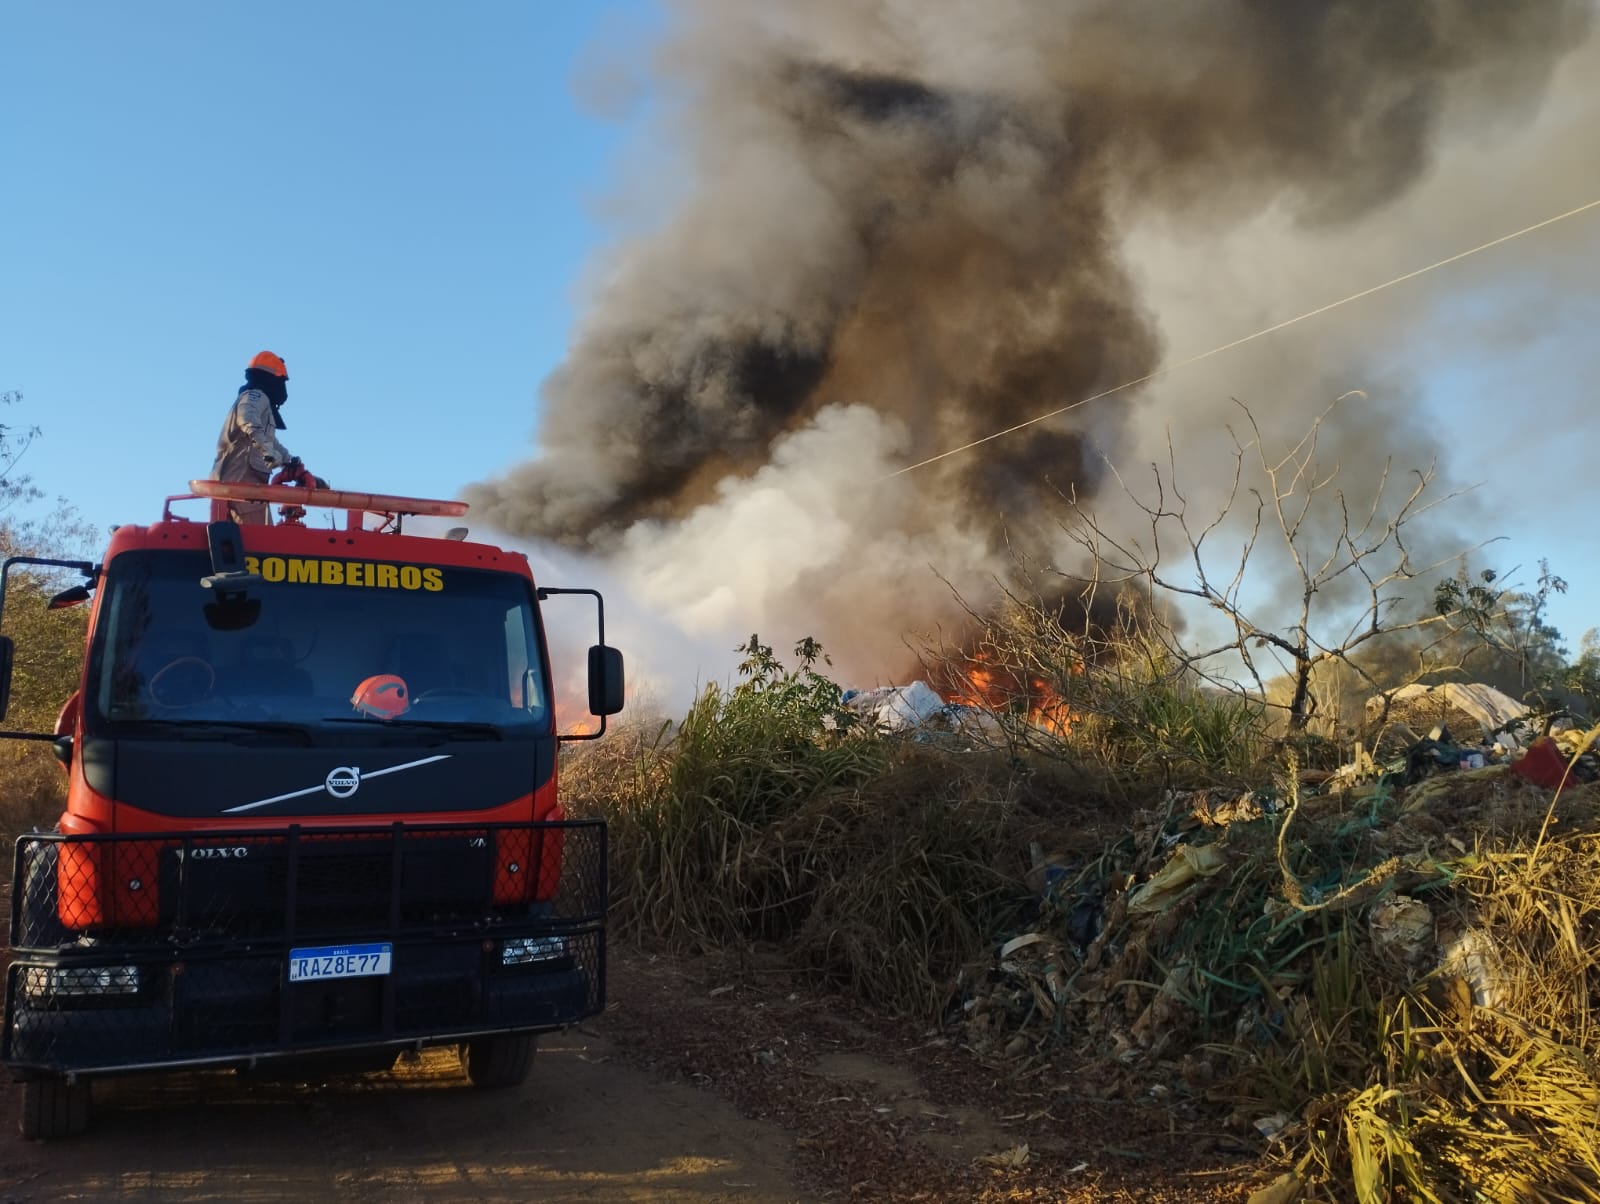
49, 644
1521, 653
1507, 618
1581, 677
800, 702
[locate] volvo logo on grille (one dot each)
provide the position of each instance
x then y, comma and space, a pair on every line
340, 783
344, 781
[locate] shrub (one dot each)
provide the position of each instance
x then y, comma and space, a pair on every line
49, 660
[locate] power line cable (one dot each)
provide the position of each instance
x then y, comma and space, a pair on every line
1204, 355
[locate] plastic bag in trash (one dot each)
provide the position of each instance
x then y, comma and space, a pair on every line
896, 708
1404, 926
1542, 764
1188, 863
1473, 956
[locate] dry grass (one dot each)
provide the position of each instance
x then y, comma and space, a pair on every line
888, 888
32, 787
1458, 1066
883, 866
1476, 1079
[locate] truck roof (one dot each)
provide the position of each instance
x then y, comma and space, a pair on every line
179, 531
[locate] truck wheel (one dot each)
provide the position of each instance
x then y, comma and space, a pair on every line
41, 925
52, 1108
500, 1061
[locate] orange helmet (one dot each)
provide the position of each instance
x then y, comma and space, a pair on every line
269, 362
383, 697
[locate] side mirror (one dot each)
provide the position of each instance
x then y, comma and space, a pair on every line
605, 667
8, 653
77, 595
605, 680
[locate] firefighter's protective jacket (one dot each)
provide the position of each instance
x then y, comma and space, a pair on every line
248, 448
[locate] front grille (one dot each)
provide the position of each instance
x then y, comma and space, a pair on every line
336, 884
193, 964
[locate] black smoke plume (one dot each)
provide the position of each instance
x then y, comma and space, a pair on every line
921, 208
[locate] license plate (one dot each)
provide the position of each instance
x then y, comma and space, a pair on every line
339, 961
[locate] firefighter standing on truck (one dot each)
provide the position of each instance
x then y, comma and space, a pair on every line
248, 448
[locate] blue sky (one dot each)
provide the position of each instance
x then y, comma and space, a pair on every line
401, 198
395, 197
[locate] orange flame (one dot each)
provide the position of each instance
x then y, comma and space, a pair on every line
572, 709
983, 682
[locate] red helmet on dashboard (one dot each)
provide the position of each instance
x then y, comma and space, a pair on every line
383, 697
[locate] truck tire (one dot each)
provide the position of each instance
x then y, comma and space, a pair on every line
500, 1061
41, 924
52, 1108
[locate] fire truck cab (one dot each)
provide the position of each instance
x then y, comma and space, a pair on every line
311, 806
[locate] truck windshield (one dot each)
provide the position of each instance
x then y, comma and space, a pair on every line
464, 645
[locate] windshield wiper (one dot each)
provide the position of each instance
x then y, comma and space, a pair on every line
240, 731
445, 728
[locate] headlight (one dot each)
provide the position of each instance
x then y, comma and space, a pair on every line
526, 950
40, 983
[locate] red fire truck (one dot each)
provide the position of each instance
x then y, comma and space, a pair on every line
311, 807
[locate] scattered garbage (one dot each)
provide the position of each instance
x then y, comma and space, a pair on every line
1046, 870
1166, 887
1493, 712
1544, 760
1473, 958
1542, 764
1428, 893
1013, 1159
1561, 758
1217, 809
1402, 926
1272, 1127
918, 709
1167, 1009
1191, 922
1017, 943
1287, 1188
895, 708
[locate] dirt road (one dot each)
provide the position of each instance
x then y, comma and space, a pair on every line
697, 1086
584, 1128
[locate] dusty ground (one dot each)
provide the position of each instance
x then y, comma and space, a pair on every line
689, 1090
879, 1111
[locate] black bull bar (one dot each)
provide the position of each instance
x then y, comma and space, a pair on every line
224, 947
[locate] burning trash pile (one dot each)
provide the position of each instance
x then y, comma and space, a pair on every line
975, 709
1393, 979
918, 711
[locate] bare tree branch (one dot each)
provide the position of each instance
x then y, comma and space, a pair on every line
1325, 540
